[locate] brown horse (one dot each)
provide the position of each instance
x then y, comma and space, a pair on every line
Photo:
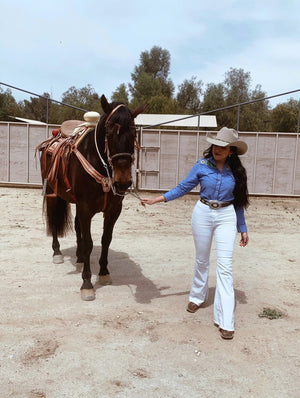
94, 174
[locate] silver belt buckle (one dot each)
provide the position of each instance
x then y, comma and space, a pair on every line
214, 204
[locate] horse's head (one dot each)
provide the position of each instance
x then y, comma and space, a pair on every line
120, 139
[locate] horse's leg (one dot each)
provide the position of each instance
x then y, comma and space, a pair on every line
79, 261
110, 219
85, 249
58, 258
51, 207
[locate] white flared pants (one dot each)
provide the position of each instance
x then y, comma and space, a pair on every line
220, 223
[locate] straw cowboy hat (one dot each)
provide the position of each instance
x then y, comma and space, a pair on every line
228, 137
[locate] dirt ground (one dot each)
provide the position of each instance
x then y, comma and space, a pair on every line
137, 339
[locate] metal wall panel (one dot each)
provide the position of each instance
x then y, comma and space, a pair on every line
4, 152
272, 160
17, 152
165, 158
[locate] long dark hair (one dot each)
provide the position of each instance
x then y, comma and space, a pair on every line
241, 195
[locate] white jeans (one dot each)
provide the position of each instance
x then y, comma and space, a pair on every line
221, 222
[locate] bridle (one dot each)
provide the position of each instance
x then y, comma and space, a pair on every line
109, 157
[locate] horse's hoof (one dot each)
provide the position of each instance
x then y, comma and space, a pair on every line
104, 280
79, 267
87, 294
58, 259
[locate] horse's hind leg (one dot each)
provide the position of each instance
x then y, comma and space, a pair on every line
50, 207
57, 211
58, 258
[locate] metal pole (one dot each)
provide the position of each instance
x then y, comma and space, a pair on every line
295, 162
137, 172
255, 163
177, 156
298, 123
8, 154
27, 158
159, 157
47, 115
42, 96
275, 163
296, 151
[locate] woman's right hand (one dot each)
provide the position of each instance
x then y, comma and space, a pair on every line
152, 201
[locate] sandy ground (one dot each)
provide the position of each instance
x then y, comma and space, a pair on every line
137, 339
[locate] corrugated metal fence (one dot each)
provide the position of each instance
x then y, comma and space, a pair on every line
165, 157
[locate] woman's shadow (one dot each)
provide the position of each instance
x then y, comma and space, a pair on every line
240, 297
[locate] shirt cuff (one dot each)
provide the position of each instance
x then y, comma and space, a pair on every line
242, 228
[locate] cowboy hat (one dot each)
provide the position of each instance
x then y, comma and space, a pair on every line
228, 137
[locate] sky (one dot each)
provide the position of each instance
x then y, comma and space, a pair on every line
49, 46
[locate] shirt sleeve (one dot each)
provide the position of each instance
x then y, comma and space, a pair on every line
241, 222
185, 186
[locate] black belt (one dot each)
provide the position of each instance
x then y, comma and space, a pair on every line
215, 204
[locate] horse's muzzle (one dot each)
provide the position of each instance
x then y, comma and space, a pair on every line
121, 187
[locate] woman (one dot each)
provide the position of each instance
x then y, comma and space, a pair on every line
219, 212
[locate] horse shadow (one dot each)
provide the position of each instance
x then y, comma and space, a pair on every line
124, 272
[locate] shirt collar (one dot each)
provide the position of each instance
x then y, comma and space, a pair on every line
212, 161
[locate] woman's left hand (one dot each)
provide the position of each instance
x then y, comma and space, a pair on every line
244, 239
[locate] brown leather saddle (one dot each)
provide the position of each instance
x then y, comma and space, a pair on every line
70, 127
64, 141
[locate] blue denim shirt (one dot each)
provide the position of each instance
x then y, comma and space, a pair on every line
214, 185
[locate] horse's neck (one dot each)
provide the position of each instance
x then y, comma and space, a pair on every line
99, 139
88, 147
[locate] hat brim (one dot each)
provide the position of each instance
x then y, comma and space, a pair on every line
241, 146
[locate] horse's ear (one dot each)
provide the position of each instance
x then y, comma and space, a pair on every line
105, 105
139, 110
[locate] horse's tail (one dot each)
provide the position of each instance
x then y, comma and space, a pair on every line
58, 215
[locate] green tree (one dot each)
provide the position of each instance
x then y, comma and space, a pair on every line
150, 77
188, 96
37, 108
121, 95
255, 116
146, 87
214, 98
284, 116
234, 90
162, 105
8, 106
236, 86
84, 98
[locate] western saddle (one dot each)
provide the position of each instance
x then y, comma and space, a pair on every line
63, 142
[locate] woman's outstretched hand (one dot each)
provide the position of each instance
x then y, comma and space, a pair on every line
152, 201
